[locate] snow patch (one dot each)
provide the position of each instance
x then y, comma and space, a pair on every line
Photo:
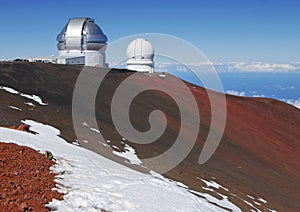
91, 182
15, 108
34, 98
28, 96
129, 154
115, 147
262, 200
251, 197
76, 143
91, 128
223, 203
29, 103
257, 203
213, 184
10, 90
95, 130
252, 206
207, 189
85, 124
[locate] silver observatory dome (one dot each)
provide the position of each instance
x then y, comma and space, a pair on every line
81, 34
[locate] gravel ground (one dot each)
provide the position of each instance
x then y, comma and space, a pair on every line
25, 179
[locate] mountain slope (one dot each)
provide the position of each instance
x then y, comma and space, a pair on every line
258, 158
91, 182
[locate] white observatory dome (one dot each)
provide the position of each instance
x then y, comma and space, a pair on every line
82, 42
140, 54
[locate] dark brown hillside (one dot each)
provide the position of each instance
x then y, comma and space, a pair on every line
259, 154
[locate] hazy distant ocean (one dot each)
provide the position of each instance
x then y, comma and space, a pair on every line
282, 86
274, 85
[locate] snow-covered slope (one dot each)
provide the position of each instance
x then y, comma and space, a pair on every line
92, 183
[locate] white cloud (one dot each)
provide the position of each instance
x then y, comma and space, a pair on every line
258, 95
295, 102
242, 93
232, 67
236, 93
257, 67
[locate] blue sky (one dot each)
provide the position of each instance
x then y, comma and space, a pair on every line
224, 30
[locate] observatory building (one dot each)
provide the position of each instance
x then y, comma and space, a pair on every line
140, 54
82, 42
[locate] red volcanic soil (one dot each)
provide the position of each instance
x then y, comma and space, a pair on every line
25, 179
258, 155
21, 127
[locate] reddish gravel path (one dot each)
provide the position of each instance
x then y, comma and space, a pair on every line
25, 179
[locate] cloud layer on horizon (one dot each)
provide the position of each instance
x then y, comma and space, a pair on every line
238, 67
258, 67
294, 102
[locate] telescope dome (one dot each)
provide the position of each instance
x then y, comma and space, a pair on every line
140, 48
140, 54
81, 34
